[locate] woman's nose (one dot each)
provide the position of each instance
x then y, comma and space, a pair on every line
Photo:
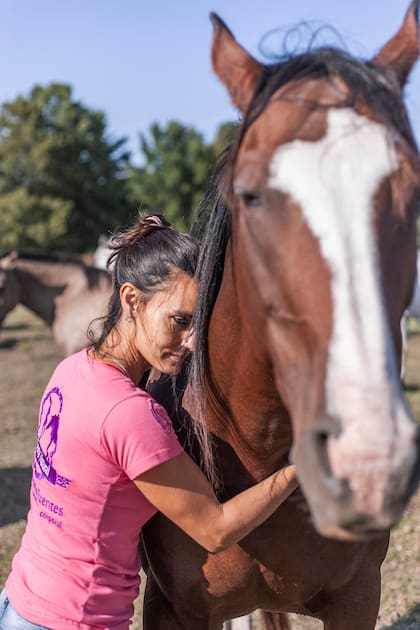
189, 340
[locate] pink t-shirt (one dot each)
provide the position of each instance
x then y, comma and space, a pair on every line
78, 564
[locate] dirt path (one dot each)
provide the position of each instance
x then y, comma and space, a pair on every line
27, 357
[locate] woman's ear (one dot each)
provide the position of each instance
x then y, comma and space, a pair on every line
130, 298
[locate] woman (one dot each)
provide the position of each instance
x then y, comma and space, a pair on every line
107, 457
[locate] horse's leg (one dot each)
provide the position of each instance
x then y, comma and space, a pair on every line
356, 605
275, 621
157, 611
159, 614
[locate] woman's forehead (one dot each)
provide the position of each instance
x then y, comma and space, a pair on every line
180, 292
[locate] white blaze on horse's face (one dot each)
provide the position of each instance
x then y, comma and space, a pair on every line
342, 172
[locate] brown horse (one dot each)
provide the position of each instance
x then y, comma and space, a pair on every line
64, 292
307, 265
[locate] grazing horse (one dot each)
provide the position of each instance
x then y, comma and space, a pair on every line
64, 292
413, 310
307, 265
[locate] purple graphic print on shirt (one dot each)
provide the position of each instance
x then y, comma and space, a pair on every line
46, 447
160, 416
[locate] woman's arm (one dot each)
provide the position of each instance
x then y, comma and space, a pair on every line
179, 489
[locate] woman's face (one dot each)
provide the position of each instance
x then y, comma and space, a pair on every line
164, 335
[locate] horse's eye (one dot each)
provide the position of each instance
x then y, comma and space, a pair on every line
250, 198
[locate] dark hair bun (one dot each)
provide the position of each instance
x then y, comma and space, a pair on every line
152, 222
130, 238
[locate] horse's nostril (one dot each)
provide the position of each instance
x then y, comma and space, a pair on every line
316, 454
320, 442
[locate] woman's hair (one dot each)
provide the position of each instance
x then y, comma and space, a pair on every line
147, 255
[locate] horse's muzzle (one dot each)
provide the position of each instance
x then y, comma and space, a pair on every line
366, 502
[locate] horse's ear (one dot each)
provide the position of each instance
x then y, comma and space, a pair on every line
234, 66
402, 51
7, 262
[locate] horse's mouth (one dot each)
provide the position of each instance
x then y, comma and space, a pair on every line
359, 530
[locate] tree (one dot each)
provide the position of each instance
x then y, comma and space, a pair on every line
224, 137
62, 180
177, 165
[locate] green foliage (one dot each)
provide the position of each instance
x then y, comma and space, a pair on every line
175, 173
31, 220
224, 137
62, 181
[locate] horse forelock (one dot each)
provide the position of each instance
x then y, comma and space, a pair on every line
366, 83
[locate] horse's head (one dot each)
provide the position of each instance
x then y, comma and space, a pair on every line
9, 285
324, 187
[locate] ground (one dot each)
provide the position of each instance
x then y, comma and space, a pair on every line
27, 358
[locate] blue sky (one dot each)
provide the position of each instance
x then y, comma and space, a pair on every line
142, 61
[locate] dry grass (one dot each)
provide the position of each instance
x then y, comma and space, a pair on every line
28, 356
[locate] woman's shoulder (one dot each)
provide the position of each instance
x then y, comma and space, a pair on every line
137, 413
140, 403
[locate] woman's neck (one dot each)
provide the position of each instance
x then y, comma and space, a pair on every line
125, 357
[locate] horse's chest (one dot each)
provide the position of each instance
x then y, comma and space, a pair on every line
285, 562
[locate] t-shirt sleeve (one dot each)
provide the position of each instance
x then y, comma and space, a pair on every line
137, 435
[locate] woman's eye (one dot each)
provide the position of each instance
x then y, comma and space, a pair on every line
181, 321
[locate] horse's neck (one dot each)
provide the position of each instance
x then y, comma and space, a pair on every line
40, 284
260, 429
